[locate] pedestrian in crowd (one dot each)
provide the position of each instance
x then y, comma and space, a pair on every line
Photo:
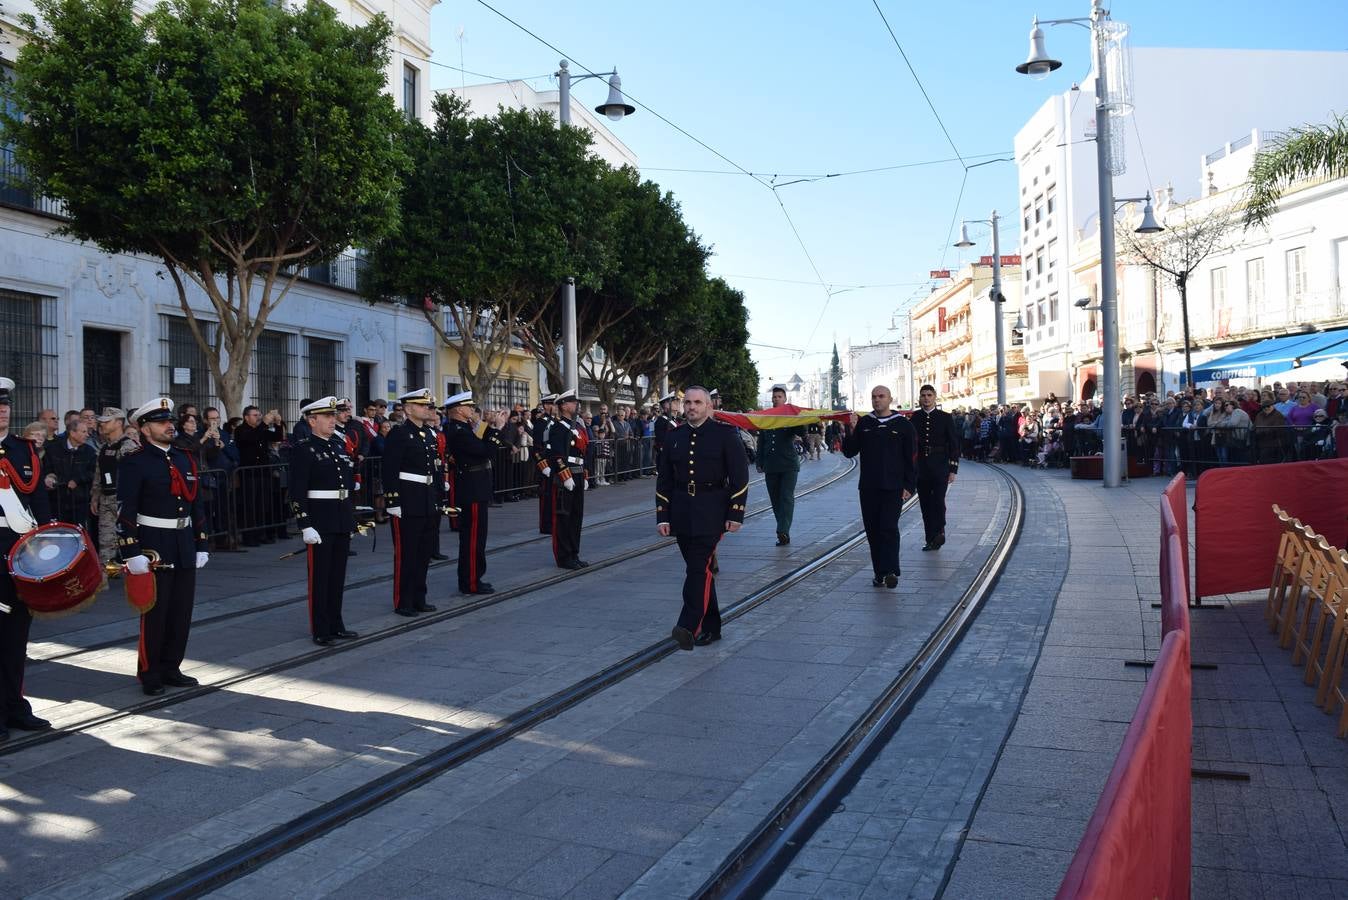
701, 492
566, 448
473, 441
938, 462
117, 442
414, 491
603, 434
23, 505
1320, 437
159, 512
887, 444
777, 459
814, 440
322, 497
254, 438
1270, 432
48, 418
69, 466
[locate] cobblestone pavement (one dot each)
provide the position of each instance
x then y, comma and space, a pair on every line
101, 812
645, 788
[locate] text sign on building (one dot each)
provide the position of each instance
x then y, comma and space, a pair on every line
939, 273
940, 319
1006, 260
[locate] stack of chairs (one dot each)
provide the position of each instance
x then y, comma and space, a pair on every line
1305, 608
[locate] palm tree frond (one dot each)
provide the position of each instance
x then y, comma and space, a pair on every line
1292, 156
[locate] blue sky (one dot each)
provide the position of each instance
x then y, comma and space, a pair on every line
803, 89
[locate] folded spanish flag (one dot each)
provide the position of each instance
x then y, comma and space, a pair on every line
787, 415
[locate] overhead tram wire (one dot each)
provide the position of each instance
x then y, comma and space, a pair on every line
920, 86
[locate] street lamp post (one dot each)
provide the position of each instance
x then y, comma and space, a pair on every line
615, 108
997, 298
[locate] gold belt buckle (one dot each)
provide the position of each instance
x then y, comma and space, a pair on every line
692, 489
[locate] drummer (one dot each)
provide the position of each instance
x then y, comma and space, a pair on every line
159, 511
23, 504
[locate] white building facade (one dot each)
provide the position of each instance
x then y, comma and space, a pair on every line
79, 327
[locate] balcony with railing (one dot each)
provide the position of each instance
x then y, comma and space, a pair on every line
346, 272
16, 188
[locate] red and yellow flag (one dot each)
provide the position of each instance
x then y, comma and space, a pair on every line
787, 415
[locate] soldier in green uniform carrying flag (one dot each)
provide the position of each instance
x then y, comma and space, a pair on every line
776, 458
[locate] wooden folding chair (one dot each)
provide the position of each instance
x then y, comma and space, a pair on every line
1320, 668
1307, 569
1290, 548
1321, 595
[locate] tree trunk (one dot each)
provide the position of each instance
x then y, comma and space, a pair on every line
1183, 284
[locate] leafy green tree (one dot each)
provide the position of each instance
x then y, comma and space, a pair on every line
1292, 156
495, 214
235, 140
714, 351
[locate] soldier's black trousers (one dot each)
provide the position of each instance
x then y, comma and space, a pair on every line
568, 511
700, 610
164, 629
13, 649
932, 475
472, 545
327, 582
544, 505
880, 518
413, 544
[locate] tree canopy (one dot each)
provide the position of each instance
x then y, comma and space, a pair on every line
235, 140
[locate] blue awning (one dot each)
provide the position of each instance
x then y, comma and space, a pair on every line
1272, 355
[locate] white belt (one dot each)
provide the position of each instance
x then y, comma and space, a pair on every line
576, 460
340, 494
419, 479
156, 522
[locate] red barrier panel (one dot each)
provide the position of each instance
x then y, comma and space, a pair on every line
1174, 590
1237, 533
1176, 497
1137, 843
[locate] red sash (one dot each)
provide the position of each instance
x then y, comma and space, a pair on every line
178, 485
10, 475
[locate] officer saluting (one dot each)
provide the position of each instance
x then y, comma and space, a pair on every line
887, 444
567, 440
938, 459
414, 488
473, 445
701, 489
322, 482
540, 439
23, 506
158, 510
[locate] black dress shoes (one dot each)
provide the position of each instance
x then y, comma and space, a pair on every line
346, 635
891, 580
706, 638
683, 637
325, 641
783, 539
929, 545
425, 607
878, 581
571, 564
940, 540
178, 679
582, 563
439, 556
28, 722
403, 611
152, 690
482, 588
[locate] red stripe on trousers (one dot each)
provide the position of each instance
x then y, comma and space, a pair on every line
140, 650
310, 556
397, 563
706, 587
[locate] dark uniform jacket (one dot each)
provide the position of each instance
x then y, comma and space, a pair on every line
322, 465
702, 480
472, 457
163, 484
888, 451
937, 436
540, 427
566, 449
22, 455
109, 457
664, 424
413, 450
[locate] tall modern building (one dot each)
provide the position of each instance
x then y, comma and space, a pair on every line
1185, 104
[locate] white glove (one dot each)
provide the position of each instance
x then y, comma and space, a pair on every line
547, 472
202, 558
138, 565
311, 536
569, 484
585, 484
395, 511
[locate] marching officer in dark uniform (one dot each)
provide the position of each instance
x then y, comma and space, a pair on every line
322, 485
472, 444
159, 510
664, 423
540, 440
23, 506
938, 460
414, 491
567, 440
701, 490
887, 444
355, 442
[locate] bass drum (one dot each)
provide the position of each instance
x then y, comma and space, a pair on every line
55, 570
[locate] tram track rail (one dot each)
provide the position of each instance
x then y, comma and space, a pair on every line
755, 865
16, 745
249, 855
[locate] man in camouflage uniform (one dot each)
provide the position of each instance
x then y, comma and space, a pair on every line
116, 441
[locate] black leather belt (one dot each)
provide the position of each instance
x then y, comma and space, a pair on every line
483, 467
692, 486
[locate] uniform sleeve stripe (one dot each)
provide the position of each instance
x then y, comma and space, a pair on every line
740, 491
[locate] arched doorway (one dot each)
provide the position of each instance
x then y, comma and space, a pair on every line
1146, 383
1088, 390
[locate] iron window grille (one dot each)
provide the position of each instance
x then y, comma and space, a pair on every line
28, 353
184, 373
